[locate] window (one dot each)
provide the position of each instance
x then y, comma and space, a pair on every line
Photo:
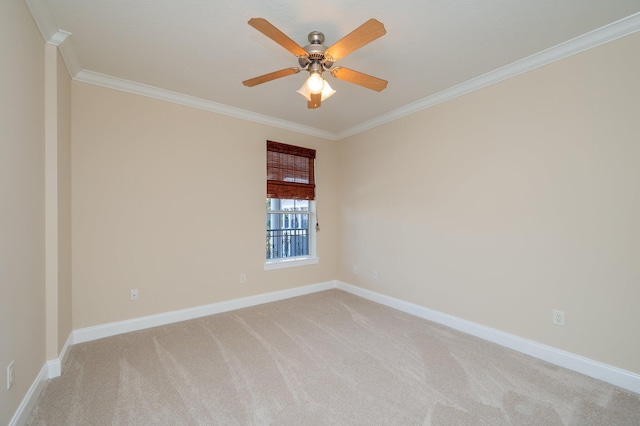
290, 209
288, 230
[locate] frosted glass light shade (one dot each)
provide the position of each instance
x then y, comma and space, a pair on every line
327, 91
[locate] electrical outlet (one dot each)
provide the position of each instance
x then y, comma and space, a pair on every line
355, 269
10, 378
375, 275
243, 279
133, 295
558, 317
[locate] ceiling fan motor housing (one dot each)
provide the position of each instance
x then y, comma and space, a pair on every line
316, 52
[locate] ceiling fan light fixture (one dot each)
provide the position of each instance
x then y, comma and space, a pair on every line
315, 83
327, 91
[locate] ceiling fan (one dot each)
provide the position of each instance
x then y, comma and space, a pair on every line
317, 58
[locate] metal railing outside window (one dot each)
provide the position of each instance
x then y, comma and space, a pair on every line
287, 228
290, 242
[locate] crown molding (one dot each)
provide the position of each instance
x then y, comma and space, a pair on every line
43, 18
613, 31
91, 77
59, 37
51, 34
64, 44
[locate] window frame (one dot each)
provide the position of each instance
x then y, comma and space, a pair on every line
293, 261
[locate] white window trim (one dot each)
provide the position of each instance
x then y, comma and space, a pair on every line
291, 262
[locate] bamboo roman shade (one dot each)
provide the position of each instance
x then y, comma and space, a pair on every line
290, 171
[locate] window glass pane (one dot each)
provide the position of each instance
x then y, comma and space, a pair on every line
287, 232
276, 204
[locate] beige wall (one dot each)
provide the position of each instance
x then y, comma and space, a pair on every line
171, 200
502, 205
22, 292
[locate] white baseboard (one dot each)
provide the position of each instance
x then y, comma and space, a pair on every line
21, 415
606, 373
53, 368
588, 367
120, 327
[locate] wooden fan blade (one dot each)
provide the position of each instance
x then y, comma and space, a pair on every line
271, 76
315, 101
359, 78
364, 34
266, 28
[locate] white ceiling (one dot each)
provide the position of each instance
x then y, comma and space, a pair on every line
433, 50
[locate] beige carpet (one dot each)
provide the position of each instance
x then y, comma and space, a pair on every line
328, 358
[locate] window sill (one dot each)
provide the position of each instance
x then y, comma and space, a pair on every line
290, 262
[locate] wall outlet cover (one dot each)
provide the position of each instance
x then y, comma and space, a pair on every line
558, 317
